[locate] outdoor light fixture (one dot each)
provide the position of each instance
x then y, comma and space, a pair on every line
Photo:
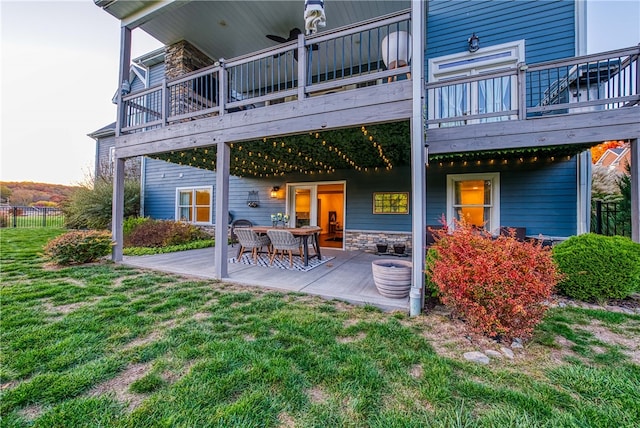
474, 43
253, 200
274, 191
396, 50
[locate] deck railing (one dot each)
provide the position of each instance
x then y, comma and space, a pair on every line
351, 57
608, 80
337, 60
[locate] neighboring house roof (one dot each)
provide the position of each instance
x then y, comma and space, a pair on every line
105, 131
617, 158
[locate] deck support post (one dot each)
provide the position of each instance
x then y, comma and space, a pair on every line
635, 190
222, 210
117, 205
117, 209
418, 157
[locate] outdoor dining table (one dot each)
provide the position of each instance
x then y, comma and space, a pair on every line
304, 233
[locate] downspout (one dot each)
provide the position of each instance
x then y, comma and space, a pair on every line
418, 159
583, 166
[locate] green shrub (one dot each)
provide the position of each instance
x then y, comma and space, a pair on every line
79, 246
598, 267
497, 285
162, 233
131, 223
89, 207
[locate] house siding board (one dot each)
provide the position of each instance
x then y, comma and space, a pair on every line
160, 192
546, 26
156, 74
540, 196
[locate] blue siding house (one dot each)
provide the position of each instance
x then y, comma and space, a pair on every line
362, 129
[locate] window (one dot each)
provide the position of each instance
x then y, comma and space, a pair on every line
486, 96
474, 198
194, 205
391, 203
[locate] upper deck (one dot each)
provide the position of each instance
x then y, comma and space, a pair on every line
339, 79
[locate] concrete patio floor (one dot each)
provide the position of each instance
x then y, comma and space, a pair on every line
347, 277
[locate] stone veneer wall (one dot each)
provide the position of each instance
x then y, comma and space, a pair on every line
366, 240
182, 58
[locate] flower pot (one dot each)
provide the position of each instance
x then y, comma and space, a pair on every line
398, 248
382, 248
392, 277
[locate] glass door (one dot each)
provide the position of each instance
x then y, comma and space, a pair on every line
302, 210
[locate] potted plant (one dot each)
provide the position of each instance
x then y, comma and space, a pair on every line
381, 247
398, 248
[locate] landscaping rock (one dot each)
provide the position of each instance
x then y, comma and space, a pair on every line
507, 352
476, 357
517, 344
493, 354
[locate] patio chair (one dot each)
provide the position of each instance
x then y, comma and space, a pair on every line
283, 240
238, 224
250, 240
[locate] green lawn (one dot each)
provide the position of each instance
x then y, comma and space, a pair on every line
104, 345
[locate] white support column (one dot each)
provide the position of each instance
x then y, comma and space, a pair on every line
222, 210
117, 209
635, 190
418, 159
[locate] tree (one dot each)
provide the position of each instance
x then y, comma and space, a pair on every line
5, 193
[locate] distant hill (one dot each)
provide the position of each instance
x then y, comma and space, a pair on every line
27, 193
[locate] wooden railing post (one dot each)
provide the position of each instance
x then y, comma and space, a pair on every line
222, 87
522, 90
164, 113
302, 67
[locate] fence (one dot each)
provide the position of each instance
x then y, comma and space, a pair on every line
608, 218
24, 217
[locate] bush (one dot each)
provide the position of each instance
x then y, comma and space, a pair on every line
89, 207
498, 285
598, 267
162, 233
78, 246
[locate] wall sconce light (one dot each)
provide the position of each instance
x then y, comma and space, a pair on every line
253, 201
474, 43
274, 191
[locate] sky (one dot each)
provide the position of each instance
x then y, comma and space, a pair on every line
59, 71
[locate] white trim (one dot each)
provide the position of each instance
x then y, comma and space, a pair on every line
581, 27
460, 63
313, 185
193, 189
494, 224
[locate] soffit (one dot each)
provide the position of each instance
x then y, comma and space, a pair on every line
227, 29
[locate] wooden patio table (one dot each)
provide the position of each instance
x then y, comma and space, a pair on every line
304, 233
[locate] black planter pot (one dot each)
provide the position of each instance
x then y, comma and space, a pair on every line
382, 248
398, 248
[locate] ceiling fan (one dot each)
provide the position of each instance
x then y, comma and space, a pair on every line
293, 35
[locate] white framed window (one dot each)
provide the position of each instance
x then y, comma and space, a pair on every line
194, 204
474, 198
491, 95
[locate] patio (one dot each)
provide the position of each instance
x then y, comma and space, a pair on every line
346, 277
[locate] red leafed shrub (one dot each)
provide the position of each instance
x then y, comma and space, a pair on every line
161, 233
498, 285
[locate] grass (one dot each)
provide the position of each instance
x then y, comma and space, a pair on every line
106, 345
